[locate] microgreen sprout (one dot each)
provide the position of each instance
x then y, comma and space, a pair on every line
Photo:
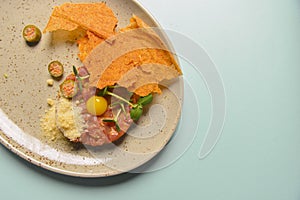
79, 78
136, 108
115, 120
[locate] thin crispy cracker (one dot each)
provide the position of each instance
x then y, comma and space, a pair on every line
147, 89
154, 51
100, 22
135, 22
95, 17
86, 44
56, 22
130, 60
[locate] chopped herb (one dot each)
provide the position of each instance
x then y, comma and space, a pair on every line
108, 120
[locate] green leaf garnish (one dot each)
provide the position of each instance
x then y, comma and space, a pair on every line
102, 92
75, 71
145, 100
118, 127
108, 120
136, 108
136, 113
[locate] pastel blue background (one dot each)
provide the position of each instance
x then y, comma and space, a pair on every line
256, 46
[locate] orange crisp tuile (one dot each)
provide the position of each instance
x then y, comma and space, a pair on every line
95, 17
134, 46
130, 60
86, 44
111, 62
57, 22
135, 22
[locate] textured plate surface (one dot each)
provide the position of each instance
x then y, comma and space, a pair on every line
23, 94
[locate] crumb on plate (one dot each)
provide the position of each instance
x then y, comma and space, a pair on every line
50, 82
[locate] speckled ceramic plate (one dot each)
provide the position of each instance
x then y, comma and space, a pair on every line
23, 94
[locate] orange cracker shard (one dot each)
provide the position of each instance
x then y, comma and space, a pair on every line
95, 17
133, 47
86, 44
56, 22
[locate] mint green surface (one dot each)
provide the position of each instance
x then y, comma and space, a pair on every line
256, 47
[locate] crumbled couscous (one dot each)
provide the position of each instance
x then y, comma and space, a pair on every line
50, 82
62, 120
